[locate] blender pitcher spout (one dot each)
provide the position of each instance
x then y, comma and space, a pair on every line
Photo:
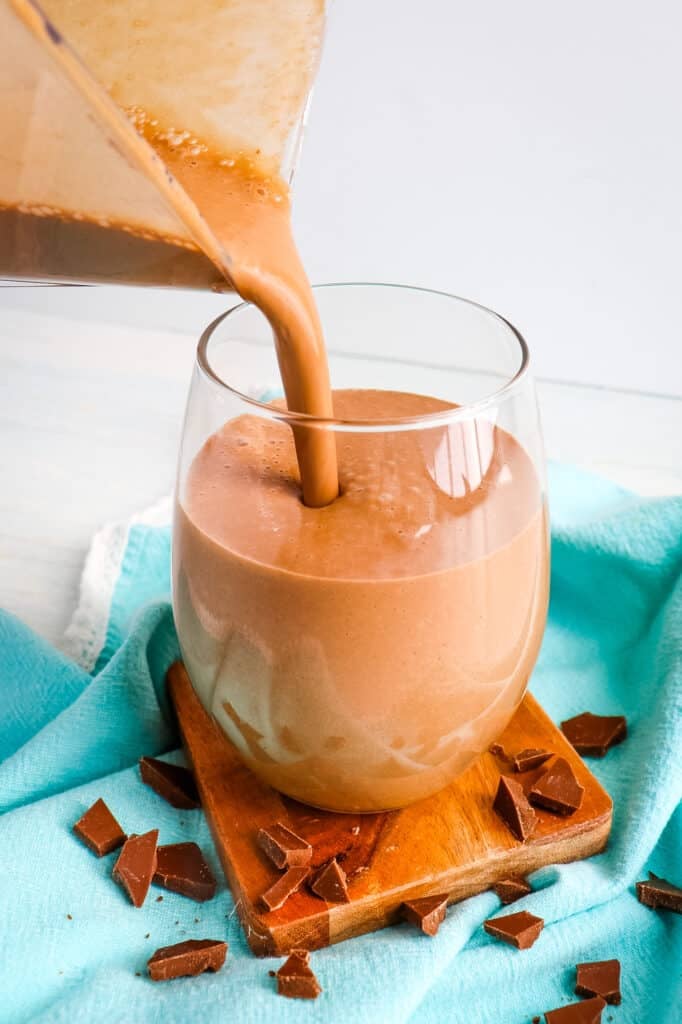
92, 98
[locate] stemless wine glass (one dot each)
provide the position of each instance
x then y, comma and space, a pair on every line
362, 655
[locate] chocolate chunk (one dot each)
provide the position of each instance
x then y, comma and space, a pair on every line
536, 1020
497, 750
181, 867
594, 734
187, 958
136, 865
530, 758
557, 789
587, 1012
284, 887
284, 848
99, 829
511, 889
171, 781
659, 894
599, 978
427, 913
512, 806
295, 979
520, 930
330, 883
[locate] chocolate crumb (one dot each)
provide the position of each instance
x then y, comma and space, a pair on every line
593, 735
137, 974
159, 898
147, 935
557, 789
428, 913
521, 930
68, 917
511, 804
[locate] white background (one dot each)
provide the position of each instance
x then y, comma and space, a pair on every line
526, 155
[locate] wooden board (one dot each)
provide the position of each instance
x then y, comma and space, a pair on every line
452, 842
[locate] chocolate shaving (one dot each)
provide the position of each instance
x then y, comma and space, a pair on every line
290, 882
284, 848
136, 865
295, 979
428, 913
659, 894
557, 789
181, 867
530, 758
511, 804
599, 978
99, 830
171, 781
195, 956
587, 1012
330, 883
520, 930
592, 734
511, 889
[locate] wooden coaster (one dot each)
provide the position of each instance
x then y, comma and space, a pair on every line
452, 842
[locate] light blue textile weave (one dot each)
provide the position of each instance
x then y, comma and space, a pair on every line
68, 735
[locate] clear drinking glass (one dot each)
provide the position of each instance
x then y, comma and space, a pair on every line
361, 656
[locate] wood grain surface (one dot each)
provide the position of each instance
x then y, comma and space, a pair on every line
453, 842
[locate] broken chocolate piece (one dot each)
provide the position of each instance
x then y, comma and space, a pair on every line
599, 978
520, 930
99, 829
428, 913
330, 883
187, 958
512, 806
587, 1012
511, 889
594, 734
181, 867
295, 978
557, 789
497, 750
171, 781
284, 848
659, 894
292, 880
530, 758
136, 865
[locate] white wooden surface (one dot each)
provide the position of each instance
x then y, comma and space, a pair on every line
90, 417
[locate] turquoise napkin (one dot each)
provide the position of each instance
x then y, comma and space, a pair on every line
73, 949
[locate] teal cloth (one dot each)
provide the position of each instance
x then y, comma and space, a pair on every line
613, 645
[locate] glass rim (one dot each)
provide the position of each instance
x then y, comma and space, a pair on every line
459, 412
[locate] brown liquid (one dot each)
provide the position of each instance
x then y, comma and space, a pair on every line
359, 656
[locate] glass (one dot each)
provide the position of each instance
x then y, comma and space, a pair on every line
93, 96
361, 656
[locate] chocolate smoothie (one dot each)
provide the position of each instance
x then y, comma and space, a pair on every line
360, 655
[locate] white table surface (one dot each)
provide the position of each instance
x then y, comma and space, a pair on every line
90, 418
